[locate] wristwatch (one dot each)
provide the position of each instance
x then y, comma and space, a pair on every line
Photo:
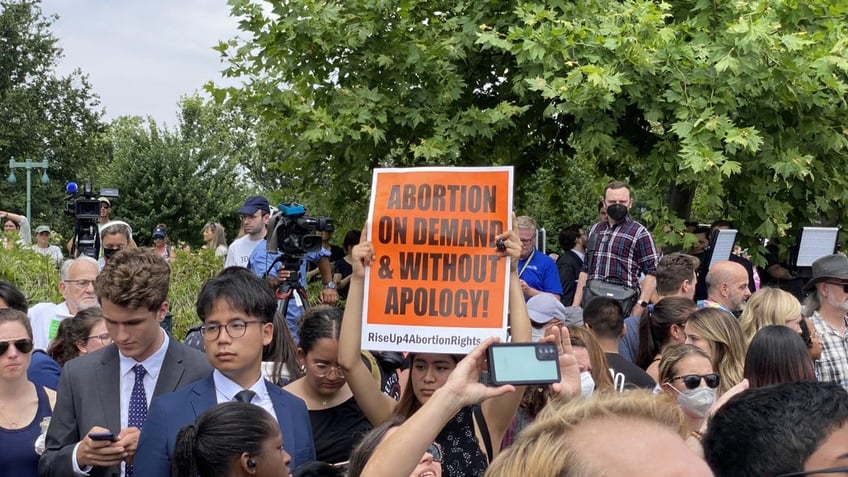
331, 285
643, 303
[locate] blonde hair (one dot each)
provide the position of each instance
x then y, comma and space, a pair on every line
768, 306
544, 448
673, 355
584, 337
727, 342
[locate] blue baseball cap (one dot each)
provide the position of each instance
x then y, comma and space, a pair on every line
254, 203
160, 232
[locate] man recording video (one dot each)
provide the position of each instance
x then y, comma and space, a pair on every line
285, 265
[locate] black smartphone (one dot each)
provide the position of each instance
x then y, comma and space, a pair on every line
523, 363
102, 436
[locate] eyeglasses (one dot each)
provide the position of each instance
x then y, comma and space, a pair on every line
80, 284
235, 328
843, 285
321, 370
692, 381
104, 338
830, 470
116, 248
24, 345
104, 205
435, 450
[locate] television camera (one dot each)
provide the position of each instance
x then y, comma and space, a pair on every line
292, 234
84, 206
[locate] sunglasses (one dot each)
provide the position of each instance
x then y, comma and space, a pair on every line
24, 345
843, 285
435, 450
692, 381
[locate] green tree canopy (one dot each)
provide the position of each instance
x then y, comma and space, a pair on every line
738, 106
43, 115
183, 177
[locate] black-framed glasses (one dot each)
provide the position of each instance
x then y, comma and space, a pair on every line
80, 284
844, 286
24, 345
692, 381
830, 470
235, 329
322, 370
104, 338
435, 450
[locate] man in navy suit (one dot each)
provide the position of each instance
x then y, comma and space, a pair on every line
237, 309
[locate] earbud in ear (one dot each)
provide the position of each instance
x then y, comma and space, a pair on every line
251, 463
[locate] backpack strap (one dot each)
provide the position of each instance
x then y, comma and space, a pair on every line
484, 430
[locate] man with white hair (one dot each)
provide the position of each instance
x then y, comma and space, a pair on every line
77, 287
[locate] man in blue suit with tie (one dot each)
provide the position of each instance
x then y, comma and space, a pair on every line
237, 309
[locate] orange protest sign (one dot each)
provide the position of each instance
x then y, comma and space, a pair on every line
437, 279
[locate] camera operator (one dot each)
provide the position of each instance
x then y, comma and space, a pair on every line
102, 221
259, 263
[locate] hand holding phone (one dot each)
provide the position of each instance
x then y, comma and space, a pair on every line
523, 363
102, 436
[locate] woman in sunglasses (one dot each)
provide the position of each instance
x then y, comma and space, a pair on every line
687, 376
24, 403
84, 333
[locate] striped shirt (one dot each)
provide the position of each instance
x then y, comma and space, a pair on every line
833, 364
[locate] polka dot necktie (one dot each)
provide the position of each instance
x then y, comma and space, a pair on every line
244, 396
138, 407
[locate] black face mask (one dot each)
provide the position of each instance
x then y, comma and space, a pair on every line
617, 212
108, 252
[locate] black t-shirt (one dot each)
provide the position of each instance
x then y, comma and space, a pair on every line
634, 376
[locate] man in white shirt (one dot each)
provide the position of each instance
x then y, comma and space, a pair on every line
255, 214
77, 287
42, 244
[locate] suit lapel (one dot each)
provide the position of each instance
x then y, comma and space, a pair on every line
284, 417
203, 396
172, 369
109, 379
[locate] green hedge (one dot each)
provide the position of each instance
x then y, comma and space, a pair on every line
38, 279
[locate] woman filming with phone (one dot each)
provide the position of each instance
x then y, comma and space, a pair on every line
471, 437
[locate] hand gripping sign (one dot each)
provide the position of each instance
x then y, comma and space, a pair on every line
437, 283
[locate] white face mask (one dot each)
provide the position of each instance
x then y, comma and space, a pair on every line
587, 384
696, 402
536, 334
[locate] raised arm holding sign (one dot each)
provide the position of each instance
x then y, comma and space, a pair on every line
430, 371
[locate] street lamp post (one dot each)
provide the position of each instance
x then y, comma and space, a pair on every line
29, 166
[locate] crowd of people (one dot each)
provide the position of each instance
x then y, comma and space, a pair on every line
654, 380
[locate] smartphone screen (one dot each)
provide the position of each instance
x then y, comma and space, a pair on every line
523, 363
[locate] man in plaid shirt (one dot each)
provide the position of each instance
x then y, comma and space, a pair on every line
827, 299
622, 251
